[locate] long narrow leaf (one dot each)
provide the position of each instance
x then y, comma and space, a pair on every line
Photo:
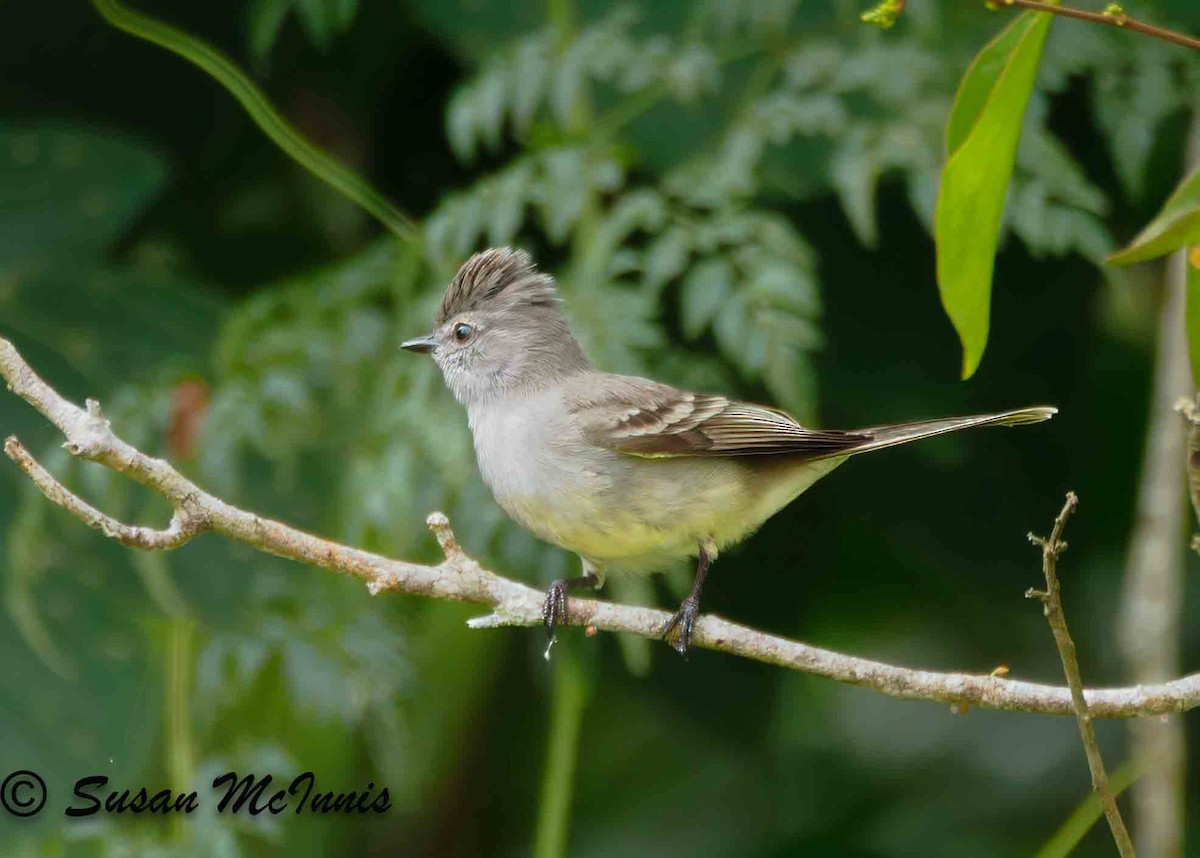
1193, 311
1063, 842
980, 79
1176, 226
985, 123
223, 70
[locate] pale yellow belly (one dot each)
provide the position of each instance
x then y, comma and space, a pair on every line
651, 512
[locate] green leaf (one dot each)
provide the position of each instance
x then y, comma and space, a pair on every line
735, 334
1131, 100
316, 17
980, 80
507, 201
790, 377
667, 256
1193, 310
705, 290
264, 19
564, 192
791, 288
528, 81
1176, 226
1087, 812
491, 103
983, 132
460, 124
853, 172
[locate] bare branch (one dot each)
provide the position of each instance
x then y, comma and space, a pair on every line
182, 528
1112, 16
1051, 598
459, 578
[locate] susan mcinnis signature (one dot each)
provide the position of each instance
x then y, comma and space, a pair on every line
24, 793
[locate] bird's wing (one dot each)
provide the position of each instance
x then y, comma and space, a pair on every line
645, 418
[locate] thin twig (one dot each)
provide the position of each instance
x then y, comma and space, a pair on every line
1051, 599
182, 528
459, 578
1113, 16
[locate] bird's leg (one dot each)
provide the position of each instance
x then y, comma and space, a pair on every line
685, 618
554, 609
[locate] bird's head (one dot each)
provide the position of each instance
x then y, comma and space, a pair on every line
500, 329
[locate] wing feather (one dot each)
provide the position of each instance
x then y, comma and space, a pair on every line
645, 418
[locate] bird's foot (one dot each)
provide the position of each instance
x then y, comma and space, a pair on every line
682, 622
554, 608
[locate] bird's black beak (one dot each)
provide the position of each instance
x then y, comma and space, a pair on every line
423, 344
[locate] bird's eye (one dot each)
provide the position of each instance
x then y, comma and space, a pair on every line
462, 332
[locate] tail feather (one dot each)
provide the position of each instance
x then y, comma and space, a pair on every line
882, 437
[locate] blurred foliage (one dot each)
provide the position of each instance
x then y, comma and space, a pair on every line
322, 20
735, 196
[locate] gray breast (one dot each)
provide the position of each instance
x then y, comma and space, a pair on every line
537, 467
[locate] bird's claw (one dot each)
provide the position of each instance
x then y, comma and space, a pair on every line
684, 620
554, 609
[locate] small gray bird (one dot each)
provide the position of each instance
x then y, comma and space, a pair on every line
628, 473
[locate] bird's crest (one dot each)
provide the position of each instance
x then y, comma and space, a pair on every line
499, 277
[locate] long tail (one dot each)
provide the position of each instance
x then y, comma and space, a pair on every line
901, 433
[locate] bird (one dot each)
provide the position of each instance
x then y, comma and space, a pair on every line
629, 473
